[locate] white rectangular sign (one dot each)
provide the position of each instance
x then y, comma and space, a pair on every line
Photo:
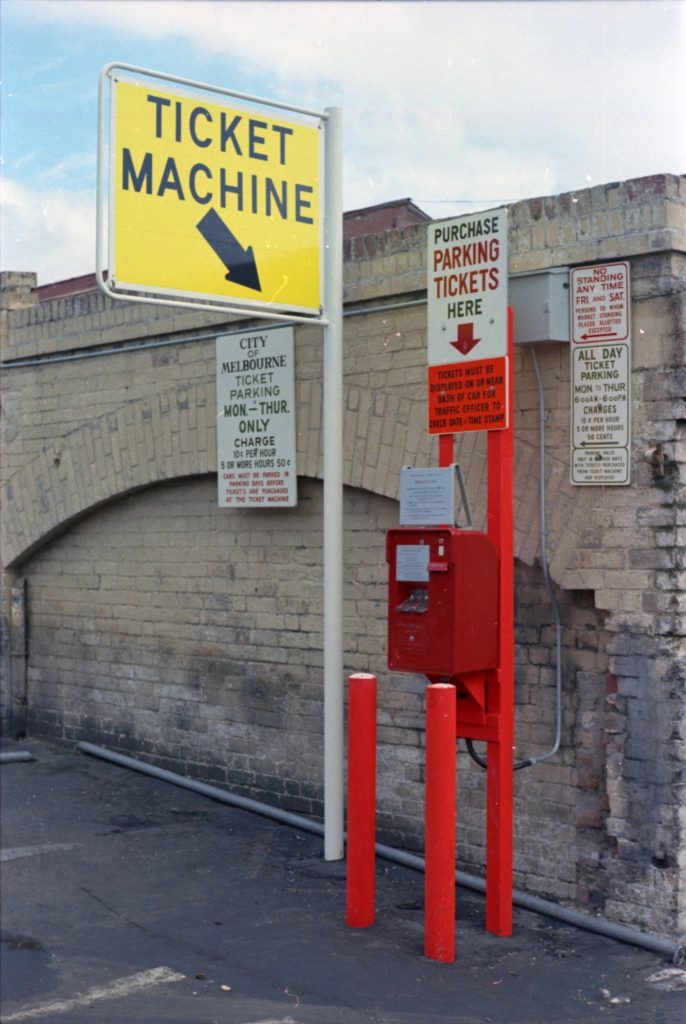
601, 375
427, 496
256, 453
467, 287
601, 410
599, 298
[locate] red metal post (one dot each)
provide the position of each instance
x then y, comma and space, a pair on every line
446, 450
361, 800
440, 828
500, 773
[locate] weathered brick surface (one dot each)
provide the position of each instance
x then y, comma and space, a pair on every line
192, 635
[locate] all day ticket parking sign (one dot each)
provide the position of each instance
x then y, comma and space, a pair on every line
211, 199
600, 299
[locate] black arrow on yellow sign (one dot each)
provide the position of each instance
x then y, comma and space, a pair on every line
239, 262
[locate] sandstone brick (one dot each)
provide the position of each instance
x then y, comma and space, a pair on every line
166, 624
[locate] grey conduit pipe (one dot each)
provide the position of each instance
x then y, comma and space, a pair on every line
9, 756
184, 339
213, 792
676, 951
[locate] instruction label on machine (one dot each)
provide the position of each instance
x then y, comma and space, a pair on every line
601, 375
412, 563
256, 453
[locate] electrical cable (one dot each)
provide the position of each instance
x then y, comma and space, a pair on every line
530, 761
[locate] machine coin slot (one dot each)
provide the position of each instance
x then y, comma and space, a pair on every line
417, 602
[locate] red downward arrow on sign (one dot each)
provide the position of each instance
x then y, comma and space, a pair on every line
465, 340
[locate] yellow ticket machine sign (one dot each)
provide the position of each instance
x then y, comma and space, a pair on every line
212, 201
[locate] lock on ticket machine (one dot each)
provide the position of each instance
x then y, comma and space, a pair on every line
443, 601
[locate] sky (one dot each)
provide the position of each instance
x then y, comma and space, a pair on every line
460, 106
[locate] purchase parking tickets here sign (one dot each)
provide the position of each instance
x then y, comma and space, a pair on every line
212, 201
467, 288
468, 323
256, 442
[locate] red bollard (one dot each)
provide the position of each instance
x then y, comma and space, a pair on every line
441, 823
361, 800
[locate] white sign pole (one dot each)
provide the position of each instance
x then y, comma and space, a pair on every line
333, 487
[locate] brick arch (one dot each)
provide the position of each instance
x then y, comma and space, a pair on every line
171, 435
158, 438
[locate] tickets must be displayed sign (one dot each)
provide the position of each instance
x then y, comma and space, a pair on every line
468, 396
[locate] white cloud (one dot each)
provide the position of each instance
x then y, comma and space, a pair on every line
442, 102
565, 82
78, 164
51, 233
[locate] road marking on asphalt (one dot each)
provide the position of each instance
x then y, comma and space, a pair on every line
671, 979
31, 851
115, 990
274, 1020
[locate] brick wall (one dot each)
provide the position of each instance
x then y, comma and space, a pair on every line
161, 624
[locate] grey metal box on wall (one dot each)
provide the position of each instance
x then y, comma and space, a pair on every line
541, 305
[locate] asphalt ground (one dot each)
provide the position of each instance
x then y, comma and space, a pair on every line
126, 899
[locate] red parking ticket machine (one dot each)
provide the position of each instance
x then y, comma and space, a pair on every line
443, 601
451, 618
